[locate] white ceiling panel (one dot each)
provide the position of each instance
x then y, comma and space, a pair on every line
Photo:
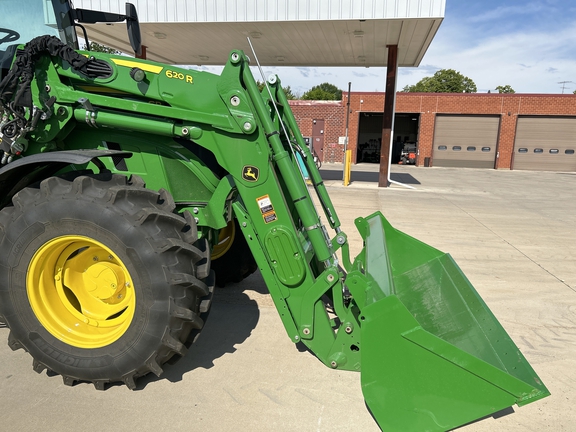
283, 32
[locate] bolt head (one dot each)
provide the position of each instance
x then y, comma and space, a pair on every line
306, 331
333, 364
348, 329
247, 126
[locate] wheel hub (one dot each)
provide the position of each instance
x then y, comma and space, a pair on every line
80, 291
103, 280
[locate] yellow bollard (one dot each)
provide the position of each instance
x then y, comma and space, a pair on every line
347, 167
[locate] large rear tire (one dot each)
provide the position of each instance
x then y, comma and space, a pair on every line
100, 280
232, 259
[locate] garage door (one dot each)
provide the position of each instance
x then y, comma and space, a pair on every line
545, 144
465, 141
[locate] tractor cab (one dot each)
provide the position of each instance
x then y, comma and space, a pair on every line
32, 18
28, 19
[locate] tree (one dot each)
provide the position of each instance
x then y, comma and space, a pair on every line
260, 85
505, 89
443, 81
324, 91
289, 94
95, 46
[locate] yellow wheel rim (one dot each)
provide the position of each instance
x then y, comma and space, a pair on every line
80, 291
225, 240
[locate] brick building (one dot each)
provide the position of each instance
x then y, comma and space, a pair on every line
480, 130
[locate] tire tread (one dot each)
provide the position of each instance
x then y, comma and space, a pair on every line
185, 259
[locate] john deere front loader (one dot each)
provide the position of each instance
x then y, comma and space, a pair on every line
129, 188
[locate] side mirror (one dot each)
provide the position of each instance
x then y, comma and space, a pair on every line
88, 16
133, 27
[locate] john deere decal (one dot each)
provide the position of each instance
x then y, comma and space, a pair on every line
250, 173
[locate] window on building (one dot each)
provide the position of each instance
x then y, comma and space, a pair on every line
456, 148
538, 150
471, 148
523, 150
442, 148
486, 149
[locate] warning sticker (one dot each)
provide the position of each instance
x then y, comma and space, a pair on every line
267, 209
270, 217
265, 204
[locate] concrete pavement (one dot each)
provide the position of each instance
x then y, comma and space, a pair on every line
512, 232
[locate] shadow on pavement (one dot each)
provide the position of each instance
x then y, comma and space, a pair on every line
233, 316
365, 176
404, 178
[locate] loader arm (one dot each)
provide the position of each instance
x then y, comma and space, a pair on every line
394, 280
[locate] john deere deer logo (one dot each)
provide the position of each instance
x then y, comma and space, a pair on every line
250, 173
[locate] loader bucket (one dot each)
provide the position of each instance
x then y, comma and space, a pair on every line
433, 355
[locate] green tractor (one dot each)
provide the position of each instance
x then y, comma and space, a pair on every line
131, 188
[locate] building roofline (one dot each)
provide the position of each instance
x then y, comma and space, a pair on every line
468, 94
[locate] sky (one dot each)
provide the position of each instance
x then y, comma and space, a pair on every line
527, 44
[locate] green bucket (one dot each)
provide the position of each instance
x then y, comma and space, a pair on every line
433, 356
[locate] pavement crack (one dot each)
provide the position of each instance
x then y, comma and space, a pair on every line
270, 396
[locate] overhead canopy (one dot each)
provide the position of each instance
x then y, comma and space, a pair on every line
283, 32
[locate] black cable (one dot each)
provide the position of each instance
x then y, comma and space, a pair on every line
15, 86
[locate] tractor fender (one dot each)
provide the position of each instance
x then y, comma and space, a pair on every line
31, 169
